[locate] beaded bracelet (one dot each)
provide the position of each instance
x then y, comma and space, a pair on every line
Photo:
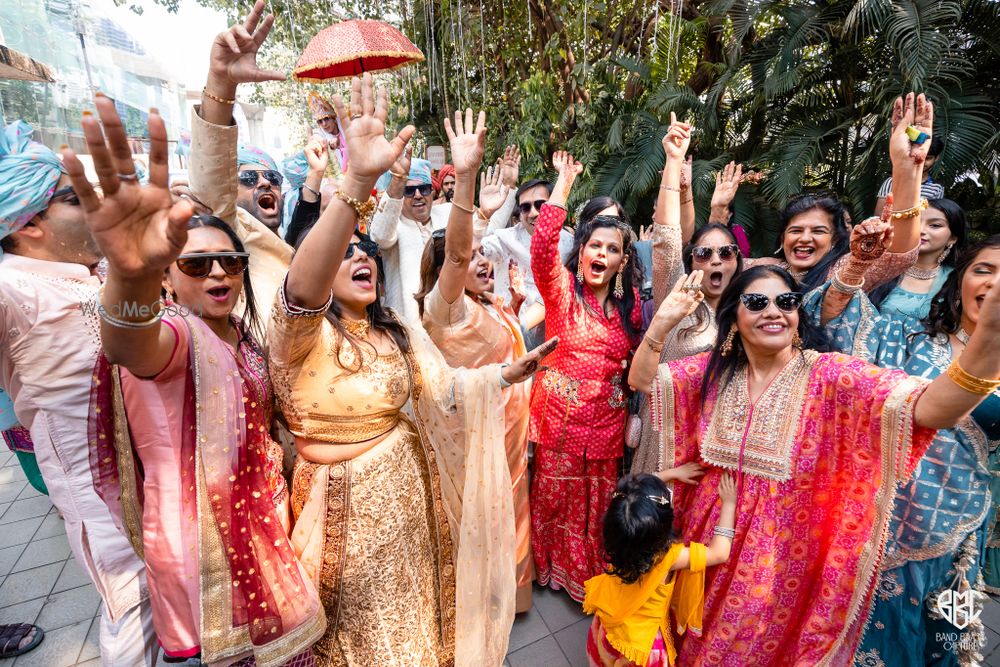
910, 212
969, 382
670, 188
363, 209
204, 91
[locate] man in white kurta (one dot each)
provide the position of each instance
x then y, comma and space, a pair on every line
49, 342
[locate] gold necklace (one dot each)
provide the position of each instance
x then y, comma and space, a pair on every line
357, 328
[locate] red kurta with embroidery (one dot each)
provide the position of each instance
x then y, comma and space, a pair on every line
578, 404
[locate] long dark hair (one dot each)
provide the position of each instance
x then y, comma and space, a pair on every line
251, 325
721, 368
840, 243
955, 217
587, 222
702, 313
430, 268
638, 531
945, 316
379, 317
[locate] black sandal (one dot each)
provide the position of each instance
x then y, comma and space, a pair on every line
12, 635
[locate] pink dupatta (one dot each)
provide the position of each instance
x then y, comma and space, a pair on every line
255, 596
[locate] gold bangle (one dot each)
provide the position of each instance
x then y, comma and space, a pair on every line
910, 212
470, 211
670, 188
969, 382
654, 345
363, 209
204, 91
399, 175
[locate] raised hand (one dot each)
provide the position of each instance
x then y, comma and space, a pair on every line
138, 227
510, 166
233, 58
467, 143
727, 182
646, 233
364, 131
677, 139
317, 155
568, 169
683, 299
492, 193
870, 239
527, 365
917, 111
686, 174
515, 282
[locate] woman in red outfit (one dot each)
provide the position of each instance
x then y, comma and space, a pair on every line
578, 402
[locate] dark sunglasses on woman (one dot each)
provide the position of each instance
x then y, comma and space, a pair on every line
424, 189
788, 302
248, 178
370, 248
199, 265
703, 253
525, 206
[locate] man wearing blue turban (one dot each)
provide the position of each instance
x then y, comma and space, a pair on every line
259, 190
403, 223
49, 341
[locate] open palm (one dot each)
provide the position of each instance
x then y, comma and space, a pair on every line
233, 58
468, 143
364, 130
913, 110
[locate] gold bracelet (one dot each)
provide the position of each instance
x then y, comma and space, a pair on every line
670, 188
910, 212
969, 382
470, 211
654, 345
363, 209
204, 91
399, 175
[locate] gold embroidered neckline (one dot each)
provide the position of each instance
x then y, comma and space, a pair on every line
357, 328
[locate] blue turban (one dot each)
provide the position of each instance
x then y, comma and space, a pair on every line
420, 170
247, 154
29, 173
296, 168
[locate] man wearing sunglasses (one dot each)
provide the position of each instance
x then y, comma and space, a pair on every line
259, 189
48, 346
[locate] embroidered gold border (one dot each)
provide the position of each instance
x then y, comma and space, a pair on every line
345, 429
131, 511
338, 514
667, 439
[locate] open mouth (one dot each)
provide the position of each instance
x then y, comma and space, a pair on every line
267, 203
715, 280
220, 294
483, 274
597, 268
803, 252
362, 276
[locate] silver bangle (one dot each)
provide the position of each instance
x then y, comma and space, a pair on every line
503, 383
125, 324
311, 190
722, 531
841, 286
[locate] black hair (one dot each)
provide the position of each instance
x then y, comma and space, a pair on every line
251, 324
702, 312
589, 221
529, 185
936, 147
955, 217
431, 262
840, 243
945, 316
7, 243
638, 531
379, 317
720, 369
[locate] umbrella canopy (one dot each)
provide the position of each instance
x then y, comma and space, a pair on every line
352, 47
16, 65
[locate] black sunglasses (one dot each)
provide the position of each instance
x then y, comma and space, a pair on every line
525, 207
703, 253
788, 302
370, 248
248, 178
424, 189
199, 264
66, 195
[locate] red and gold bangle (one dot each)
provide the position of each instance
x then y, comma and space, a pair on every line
204, 91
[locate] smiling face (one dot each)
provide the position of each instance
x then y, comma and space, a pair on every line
807, 239
976, 282
417, 207
214, 296
535, 194
718, 272
354, 285
935, 233
771, 330
601, 256
263, 201
328, 124
477, 280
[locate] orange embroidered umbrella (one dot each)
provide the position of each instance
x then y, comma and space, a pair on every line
352, 47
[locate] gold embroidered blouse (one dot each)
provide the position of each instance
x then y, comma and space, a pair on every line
321, 387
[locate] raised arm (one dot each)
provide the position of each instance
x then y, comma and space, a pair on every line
869, 241
667, 230
384, 229
311, 274
946, 401
467, 147
907, 167
140, 233
549, 273
687, 203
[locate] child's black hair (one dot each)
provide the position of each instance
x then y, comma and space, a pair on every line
638, 530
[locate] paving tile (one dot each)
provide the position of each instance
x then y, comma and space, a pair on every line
25, 612
543, 653
42, 552
9, 556
573, 642
21, 532
60, 647
10, 491
72, 576
558, 609
528, 627
92, 645
29, 492
26, 509
10, 474
992, 650
29, 584
69, 607
96, 662
991, 615
52, 525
